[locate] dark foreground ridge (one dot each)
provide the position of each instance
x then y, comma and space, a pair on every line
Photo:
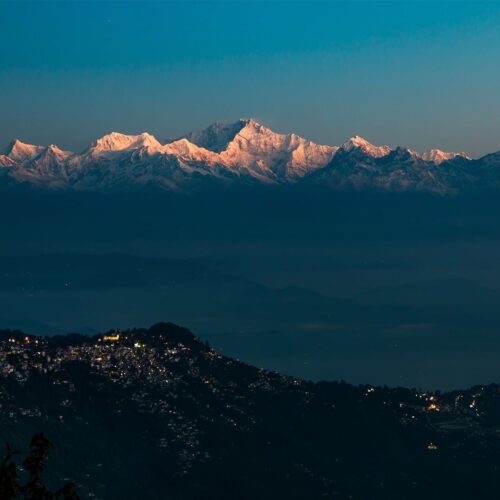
155, 413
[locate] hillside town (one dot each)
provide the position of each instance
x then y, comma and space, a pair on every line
191, 408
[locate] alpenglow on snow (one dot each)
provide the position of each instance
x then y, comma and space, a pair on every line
247, 153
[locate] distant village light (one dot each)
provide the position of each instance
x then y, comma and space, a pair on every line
111, 338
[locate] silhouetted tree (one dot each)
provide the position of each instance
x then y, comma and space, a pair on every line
9, 476
35, 464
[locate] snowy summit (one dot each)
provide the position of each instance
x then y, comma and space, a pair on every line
241, 152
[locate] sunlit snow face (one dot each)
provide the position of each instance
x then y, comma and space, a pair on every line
242, 150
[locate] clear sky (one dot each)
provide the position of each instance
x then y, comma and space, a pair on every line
420, 74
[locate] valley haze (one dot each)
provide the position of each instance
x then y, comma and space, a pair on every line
355, 261
388, 288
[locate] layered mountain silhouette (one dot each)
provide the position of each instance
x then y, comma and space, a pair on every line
243, 153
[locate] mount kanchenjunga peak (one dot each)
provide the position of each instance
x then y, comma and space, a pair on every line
217, 136
242, 152
250, 149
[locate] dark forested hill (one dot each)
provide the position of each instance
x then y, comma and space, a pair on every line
156, 413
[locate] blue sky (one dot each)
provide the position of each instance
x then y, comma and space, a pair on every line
422, 74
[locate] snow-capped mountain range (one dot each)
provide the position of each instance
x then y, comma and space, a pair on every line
243, 152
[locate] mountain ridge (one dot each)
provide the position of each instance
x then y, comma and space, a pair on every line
244, 152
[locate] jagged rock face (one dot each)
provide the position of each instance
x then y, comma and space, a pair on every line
399, 170
259, 152
216, 137
437, 156
20, 152
357, 143
115, 143
37, 165
243, 152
